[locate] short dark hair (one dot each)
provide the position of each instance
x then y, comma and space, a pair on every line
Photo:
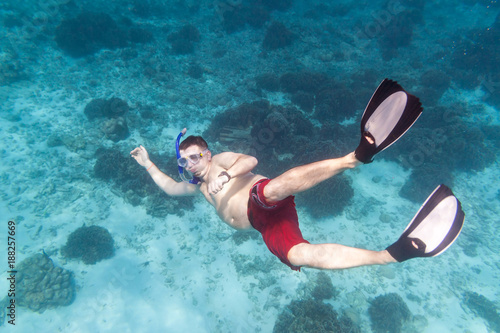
193, 140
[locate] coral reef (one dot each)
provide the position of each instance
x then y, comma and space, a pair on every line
388, 313
90, 244
335, 103
323, 288
98, 108
95, 108
116, 129
277, 37
424, 179
42, 285
257, 16
237, 15
253, 265
398, 32
88, 33
140, 35
183, 41
148, 8
234, 18
304, 100
280, 5
434, 83
477, 51
310, 90
328, 198
272, 133
268, 81
441, 143
11, 69
483, 308
195, 71
115, 107
240, 236
137, 187
310, 82
282, 137
312, 316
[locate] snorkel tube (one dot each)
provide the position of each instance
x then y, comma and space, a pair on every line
194, 180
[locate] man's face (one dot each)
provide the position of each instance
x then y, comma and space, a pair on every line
197, 159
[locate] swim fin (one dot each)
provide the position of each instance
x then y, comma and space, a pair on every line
433, 229
389, 114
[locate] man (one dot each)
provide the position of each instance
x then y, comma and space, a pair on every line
246, 200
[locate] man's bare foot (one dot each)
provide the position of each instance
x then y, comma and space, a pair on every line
369, 139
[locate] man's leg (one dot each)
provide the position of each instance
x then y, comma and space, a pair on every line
336, 256
306, 176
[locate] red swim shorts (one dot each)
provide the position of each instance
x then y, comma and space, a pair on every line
277, 222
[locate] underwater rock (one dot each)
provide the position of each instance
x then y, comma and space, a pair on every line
388, 313
277, 37
307, 316
41, 285
90, 244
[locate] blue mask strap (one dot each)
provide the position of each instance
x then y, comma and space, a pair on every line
195, 180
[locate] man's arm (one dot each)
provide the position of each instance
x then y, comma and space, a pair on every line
167, 184
235, 165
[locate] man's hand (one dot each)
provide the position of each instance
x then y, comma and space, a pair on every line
217, 184
141, 156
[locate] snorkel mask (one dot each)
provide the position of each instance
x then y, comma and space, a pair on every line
182, 172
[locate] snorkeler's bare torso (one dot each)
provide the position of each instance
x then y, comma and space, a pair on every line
231, 202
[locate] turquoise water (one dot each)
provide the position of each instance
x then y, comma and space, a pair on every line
82, 83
